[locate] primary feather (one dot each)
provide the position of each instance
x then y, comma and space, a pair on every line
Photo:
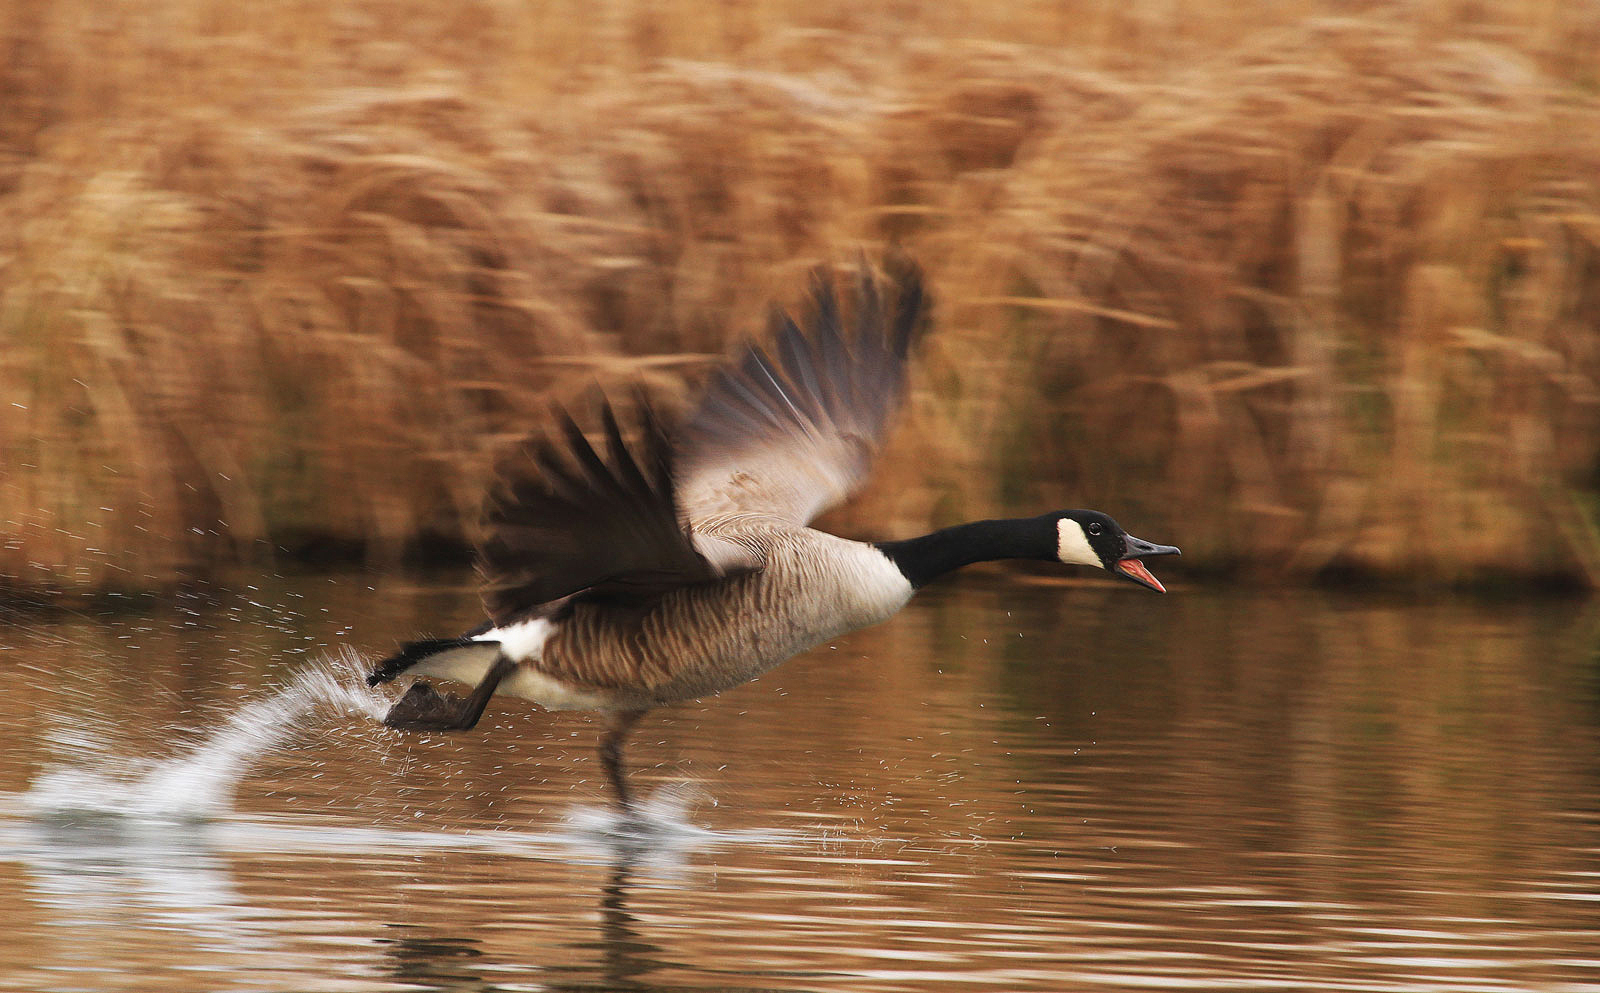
569, 522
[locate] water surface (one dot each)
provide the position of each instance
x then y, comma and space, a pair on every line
1011, 786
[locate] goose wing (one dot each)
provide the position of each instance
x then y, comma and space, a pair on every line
565, 522
786, 438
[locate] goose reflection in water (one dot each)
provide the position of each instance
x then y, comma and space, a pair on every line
621, 957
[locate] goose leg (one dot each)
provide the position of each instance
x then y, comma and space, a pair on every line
424, 708
620, 722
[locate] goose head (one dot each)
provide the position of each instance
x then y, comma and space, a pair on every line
1088, 537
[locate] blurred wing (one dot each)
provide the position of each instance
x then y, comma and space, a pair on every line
569, 522
790, 437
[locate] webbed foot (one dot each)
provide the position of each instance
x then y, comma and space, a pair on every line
424, 708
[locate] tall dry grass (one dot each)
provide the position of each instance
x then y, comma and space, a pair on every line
1302, 294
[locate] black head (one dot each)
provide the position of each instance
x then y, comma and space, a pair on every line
1088, 537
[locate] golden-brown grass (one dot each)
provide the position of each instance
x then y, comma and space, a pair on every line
1299, 293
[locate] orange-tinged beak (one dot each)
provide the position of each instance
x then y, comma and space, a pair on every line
1135, 570
1132, 568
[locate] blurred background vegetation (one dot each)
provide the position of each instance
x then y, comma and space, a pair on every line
1309, 288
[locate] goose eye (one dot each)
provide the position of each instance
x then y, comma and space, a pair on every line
1094, 528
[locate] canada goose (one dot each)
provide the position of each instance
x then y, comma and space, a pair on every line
683, 566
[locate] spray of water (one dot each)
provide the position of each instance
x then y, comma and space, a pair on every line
198, 783
127, 807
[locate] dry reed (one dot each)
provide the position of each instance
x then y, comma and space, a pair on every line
1303, 294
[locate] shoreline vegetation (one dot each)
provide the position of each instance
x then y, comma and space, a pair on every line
1312, 296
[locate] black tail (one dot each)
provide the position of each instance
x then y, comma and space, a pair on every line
413, 652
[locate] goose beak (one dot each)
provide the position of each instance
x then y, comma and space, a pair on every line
1130, 566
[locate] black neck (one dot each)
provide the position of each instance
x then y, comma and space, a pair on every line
925, 559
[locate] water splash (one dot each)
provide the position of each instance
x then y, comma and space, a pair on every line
663, 816
659, 833
198, 784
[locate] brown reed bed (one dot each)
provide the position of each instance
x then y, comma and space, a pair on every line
1307, 295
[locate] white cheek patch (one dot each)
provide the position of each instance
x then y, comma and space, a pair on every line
1072, 545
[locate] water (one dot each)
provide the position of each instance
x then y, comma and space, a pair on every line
1009, 787
197, 784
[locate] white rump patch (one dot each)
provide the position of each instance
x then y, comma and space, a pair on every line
470, 662
1072, 545
525, 643
520, 642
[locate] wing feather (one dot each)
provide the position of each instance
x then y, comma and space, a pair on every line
788, 438
566, 523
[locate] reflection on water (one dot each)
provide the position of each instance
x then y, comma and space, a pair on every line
1007, 788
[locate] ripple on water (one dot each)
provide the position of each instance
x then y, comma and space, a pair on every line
1302, 798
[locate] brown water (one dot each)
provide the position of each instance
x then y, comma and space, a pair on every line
1008, 787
